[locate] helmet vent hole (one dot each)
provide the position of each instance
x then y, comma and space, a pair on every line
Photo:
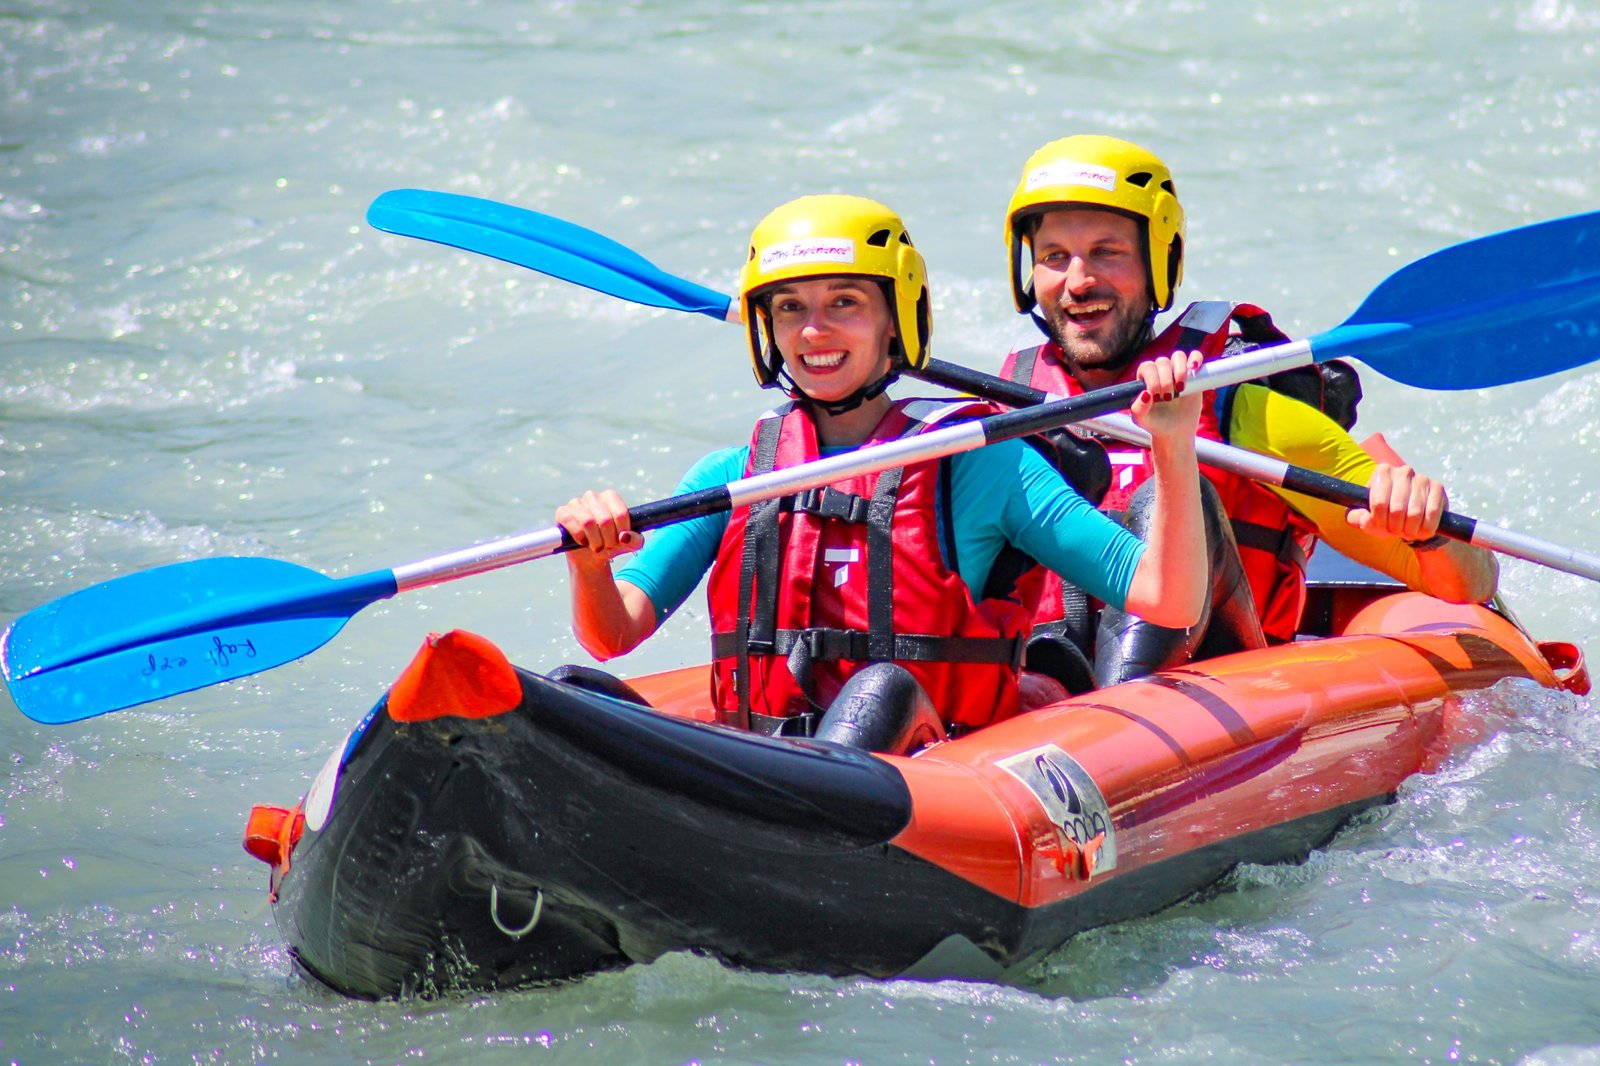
1140, 179
880, 239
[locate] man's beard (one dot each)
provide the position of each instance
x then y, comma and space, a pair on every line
1126, 339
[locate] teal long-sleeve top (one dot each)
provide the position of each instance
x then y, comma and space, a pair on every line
1004, 493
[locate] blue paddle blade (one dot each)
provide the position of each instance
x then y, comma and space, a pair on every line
173, 629
539, 242
1508, 307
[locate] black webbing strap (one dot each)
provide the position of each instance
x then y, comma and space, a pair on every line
833, 645
758, 570
1076, 618
1281, 544
1022, 365
880, 566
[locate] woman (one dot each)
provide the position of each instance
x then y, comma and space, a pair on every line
914, 567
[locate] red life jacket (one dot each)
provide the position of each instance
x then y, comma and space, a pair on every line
818, 584
1275, 542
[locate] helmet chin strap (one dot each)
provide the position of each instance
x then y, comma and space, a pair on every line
872, 390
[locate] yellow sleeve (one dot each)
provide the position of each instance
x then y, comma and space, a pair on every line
1285, 428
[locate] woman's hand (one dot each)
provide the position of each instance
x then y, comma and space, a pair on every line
599, 522
1169, 585
609, 617
1167, 408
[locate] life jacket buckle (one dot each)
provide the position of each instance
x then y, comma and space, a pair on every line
829, 502
803, 724
830, 645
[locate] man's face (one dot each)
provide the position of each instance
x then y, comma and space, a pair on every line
1092, 285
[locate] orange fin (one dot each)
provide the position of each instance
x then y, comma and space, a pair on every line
459, 674
270, 835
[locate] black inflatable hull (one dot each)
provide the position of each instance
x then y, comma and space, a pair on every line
649, 834
496, 828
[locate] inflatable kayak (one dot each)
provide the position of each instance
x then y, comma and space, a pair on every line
485, 827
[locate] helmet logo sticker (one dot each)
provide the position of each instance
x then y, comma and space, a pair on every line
825, 236
1068, 172
809, 250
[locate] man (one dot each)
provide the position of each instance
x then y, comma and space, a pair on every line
1095, 232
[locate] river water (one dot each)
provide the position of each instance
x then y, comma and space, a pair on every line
207, 352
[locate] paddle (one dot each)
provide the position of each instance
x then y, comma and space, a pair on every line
1499, 309
188, 625
541, 242
1277, 472
1450, 300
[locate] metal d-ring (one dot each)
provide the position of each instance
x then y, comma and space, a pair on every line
494, 912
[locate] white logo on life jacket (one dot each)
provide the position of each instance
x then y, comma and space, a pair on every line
1124, 463
843, 556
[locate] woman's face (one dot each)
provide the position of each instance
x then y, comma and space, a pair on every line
833, 334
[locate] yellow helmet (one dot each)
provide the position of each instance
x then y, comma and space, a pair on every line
829, 236
1107, 172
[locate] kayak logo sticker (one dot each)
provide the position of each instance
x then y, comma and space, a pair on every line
1070, 172
1070, 797
809, 250
319, 799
